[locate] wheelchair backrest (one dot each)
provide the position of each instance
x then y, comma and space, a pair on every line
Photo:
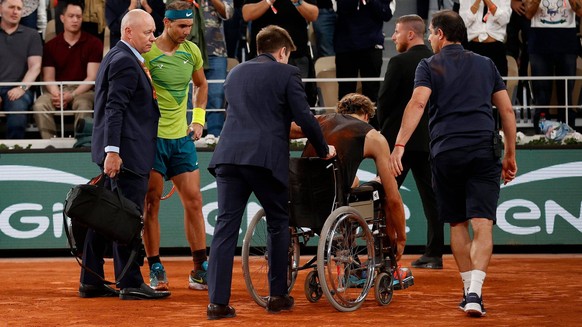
314, 191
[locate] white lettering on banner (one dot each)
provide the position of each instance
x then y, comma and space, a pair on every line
41, 222
551, 210
533, 213
515, 216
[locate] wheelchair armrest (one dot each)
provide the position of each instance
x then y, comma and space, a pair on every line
360, 193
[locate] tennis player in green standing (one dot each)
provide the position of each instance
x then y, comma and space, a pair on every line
173, 62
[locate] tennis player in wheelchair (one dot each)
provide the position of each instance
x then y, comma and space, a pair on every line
355, 140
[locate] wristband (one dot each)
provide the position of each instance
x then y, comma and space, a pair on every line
199, 116
401, 145
298, 3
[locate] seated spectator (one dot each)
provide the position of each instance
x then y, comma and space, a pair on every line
73, 55
21, 57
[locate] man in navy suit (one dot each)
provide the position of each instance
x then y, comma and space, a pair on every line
124, 132
264, 96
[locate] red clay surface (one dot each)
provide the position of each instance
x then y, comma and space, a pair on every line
520, 290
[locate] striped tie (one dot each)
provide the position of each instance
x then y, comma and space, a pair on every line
147, 71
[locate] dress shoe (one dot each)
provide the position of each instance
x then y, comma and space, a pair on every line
277, 303
428, 263
219, 311
144, 292
89, 291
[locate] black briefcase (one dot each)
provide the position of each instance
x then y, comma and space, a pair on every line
108, 212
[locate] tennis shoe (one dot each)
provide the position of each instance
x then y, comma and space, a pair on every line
197, 279
403, 278
356, 282
463, 302
158, 278
474, 306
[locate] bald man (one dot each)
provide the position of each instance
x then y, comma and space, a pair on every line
124, 132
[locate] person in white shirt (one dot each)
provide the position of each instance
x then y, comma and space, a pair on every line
486, 22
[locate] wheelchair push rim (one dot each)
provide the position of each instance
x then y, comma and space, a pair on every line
345, 259
255, 259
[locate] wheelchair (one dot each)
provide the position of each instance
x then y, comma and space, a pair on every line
354, 253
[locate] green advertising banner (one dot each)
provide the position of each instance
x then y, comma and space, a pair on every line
543, 205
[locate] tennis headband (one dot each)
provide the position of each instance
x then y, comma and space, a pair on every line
179, 14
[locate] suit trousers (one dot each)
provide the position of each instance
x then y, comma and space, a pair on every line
418, 163
235, 183
134, 188
44, 111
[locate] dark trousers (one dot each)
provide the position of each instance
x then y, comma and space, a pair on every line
563, 64
134, 188
235, 185
418, 163
362, 63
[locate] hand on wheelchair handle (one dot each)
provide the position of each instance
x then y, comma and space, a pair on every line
331, 152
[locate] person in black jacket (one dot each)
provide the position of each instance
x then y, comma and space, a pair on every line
394, 94
124, 133
264, 95
116, 9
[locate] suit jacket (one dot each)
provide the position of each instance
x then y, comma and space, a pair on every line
126, 115
395, 92
263, 97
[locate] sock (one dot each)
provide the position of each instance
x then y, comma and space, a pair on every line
199, 256
477, 279
154, 259
466, 277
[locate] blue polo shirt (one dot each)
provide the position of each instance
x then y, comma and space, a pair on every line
462, 84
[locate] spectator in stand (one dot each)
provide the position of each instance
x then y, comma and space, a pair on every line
486, 22
293, 16
93, 16
516, 43
21, 57
359, 42
553, 49
73, 55
324, 28
34, 14
215, 12
235, 30
116, 9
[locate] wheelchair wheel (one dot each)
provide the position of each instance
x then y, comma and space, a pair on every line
345, 259
255, 259
312, 287
383, 288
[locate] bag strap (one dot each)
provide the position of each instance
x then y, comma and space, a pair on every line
100, 181
132, 256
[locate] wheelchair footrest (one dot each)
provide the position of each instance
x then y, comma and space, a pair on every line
406, 283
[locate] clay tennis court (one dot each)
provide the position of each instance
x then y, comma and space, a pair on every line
520, 290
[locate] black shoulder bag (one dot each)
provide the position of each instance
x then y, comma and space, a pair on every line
108, 212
